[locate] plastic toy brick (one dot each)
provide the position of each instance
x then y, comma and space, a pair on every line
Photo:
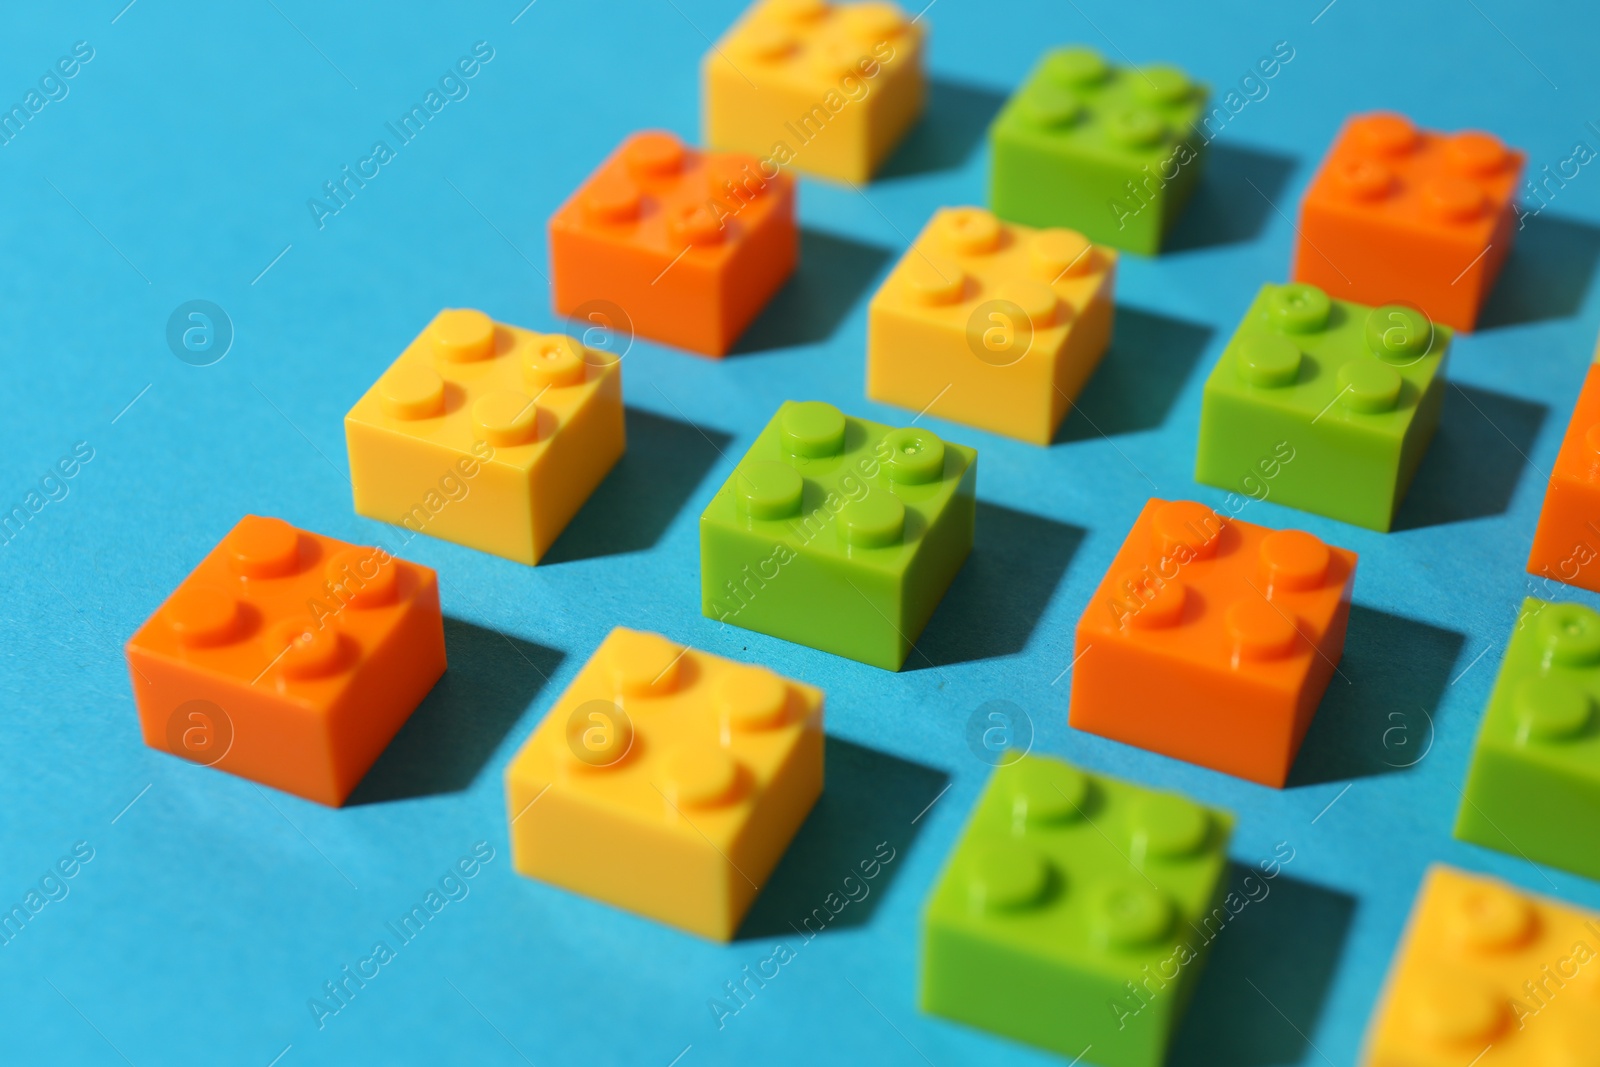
486, 434
827, 89
689, 245
1402, 215
1566, 545
1533, 788
1211, 640
991, 324
1107, 151
1075, 913
288, 658
1328, 405
838, 533
666, 781
1491, 976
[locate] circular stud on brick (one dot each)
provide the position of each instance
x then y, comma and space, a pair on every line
1152, 603
462, 335
612, 198
363, 577
1487, 918
1134, 127
1058, 254
1046, 793
795, 12
1051, 107
1258, 630
696, 225
768, 43
263, 548
1126, 914
1458, 1013
1399, 334
1569, 634
699, 777
1292, 560
913, 456
1007, 876
1267, 360
1454, 199
969, 231
599, 734
934, 281
1166, 826
751, 698
645, 664
1384, 134
1550, 710
1163, 86
551, 360
1298, 308
1038, 304
410, 392
303, 648
1368, 387
871, 23
1075, 67
506, 418
877, 520
204, 616
767, 490
654, 153
1366, 180
1186, 530
1476, 154
812, 429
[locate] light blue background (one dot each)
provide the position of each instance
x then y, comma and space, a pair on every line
178, 167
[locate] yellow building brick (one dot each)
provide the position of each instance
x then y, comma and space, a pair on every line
666, 781
829, 89
485, 434
991, 324
1490, 976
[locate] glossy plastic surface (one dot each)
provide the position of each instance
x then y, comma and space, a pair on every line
827, 89
838, 533
678, 245
1330, 402
1399, 214
288, 658
1492, 976
991, 324
666, 781
1212, 640
1106, 150
1533, 787
1075, 912
485, 434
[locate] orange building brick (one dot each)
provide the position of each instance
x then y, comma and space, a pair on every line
666, 781
1402, 215
1489, 976
1211, 640
689, 245
288, 658
1566, 544
991, 324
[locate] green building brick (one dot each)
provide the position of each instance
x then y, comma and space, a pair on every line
1323, 405
838, 533
1533, 789
1111, 152
1076, 912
